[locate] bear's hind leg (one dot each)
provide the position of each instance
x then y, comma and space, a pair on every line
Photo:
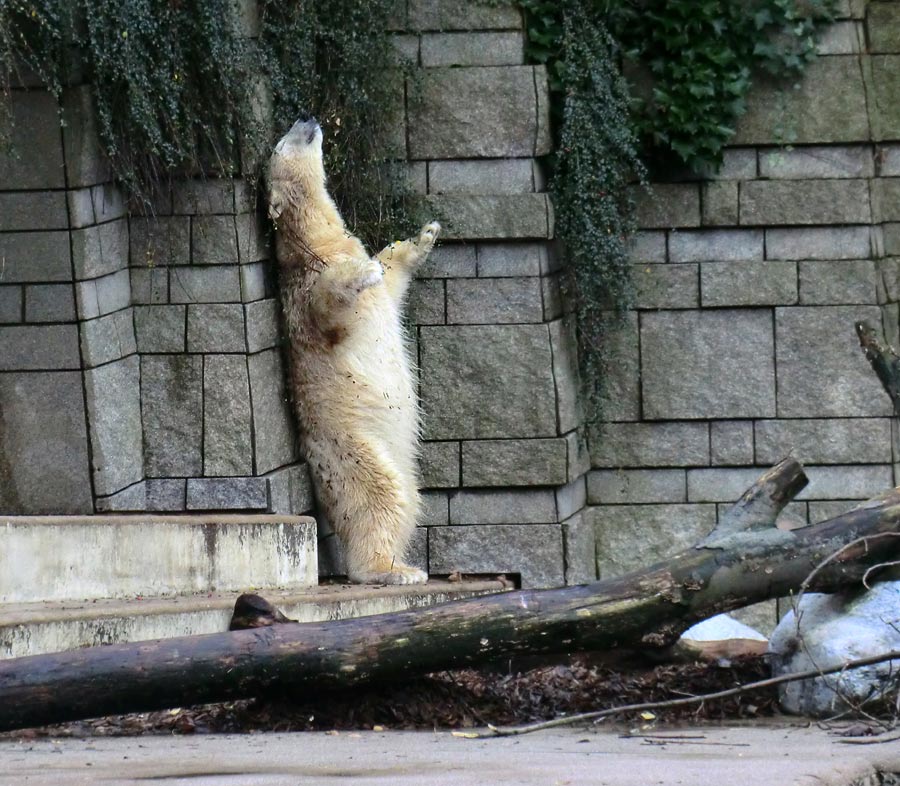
372, 506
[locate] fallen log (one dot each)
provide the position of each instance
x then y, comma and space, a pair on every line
743, 561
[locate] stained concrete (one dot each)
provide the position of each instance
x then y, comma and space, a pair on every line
773, 755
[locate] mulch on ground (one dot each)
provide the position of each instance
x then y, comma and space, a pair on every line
459, 700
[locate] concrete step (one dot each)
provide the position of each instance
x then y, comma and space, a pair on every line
68, 558
36, 628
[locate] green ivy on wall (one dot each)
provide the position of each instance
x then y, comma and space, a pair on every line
180, 88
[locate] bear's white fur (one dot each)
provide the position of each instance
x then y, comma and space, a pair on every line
351, 375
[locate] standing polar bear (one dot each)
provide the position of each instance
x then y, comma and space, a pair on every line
350, 370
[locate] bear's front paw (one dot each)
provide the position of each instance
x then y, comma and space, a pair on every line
428, 235
372, 275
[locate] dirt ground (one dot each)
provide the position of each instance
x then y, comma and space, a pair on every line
462, 699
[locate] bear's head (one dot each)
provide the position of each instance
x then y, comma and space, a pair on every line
295, 169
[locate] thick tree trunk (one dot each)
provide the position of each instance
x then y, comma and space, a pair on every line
745, 560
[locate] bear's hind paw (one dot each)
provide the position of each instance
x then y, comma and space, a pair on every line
399, 574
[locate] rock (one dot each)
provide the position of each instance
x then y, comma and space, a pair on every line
835, 629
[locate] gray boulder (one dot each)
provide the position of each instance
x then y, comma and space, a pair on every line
835, 629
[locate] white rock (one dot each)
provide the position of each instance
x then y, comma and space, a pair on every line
721, 628
835, 629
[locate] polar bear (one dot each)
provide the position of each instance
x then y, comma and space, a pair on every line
351, 377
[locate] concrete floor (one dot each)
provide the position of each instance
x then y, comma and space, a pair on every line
771, 755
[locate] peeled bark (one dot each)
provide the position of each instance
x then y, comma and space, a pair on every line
745, 560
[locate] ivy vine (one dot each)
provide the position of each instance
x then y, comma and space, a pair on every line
181, 88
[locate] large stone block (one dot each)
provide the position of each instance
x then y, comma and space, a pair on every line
227, 494
473, 49
563, 343
534, 552
213, 284
163, 240
713, 364
649, 444
488, 176
883, 27
255, 283
633, 536
462, 15
291, 490
720, 484
205, 196
479, 382
627, 487
821, 372
34, 156
39, 348
439, 464
580, 546
888, 159
25, 210
149, 285
100, 250
883, 80
49, 303
526, 506
263, 326
456, 260
425, 304
514, 462
847, 482
836, 441
647, 246
273, 427
114, 413
818, 243
668, 205
100, 296
108, 338
36, 257
774, 202
505, 216
571, 498
499, 260
665, 286
621, 393
720, 203
479, 301
840, 38
828, 106
227, 422
43, 444
253, 239
816, 161
435, 509
86, 164
716, 245
11, 301
159, 328
172, 407
214, 240
886, 199
759, 283
731, 442
216, 327
836, 282
478, 113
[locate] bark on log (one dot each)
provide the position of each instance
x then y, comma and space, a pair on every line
737, 565
884, 361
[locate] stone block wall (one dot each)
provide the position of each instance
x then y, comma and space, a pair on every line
140, 362
741, 348
140, 357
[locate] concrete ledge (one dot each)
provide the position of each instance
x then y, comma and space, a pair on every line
58, 558
36, 628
